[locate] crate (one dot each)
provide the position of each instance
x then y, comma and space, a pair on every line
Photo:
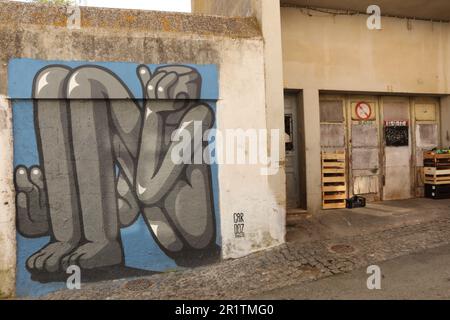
334, 180
436, 168
437, 191
434, 160
436, 176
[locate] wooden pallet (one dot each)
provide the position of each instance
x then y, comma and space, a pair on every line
434, 156
434, 160
334, 180
436, 168
436, 176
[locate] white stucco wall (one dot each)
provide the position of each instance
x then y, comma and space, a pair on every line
267, 13
243, 189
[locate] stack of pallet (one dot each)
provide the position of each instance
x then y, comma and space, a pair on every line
334, 180
437, 175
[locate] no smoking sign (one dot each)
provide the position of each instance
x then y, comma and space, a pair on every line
363, 111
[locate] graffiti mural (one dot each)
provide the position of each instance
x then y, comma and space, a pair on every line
104, 163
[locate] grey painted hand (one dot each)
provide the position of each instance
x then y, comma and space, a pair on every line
179, 83
176, 198
32, 206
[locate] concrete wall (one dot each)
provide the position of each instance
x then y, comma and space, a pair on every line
445, 122
337, 52
267, 15
239, 8
7, 212
129, 38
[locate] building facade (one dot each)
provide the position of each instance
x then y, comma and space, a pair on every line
372, 87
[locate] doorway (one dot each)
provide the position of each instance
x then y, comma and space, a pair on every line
295, 153
426, 135
364, 147
397, 175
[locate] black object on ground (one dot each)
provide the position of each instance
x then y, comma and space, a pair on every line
437, 192
356, 202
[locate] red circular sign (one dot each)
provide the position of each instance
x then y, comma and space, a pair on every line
363, 110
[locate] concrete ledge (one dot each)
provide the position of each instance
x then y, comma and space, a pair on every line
17, 13
7, 204
239, 8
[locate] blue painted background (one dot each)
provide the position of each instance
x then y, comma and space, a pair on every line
141, 251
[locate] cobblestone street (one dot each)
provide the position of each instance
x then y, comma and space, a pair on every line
293, 263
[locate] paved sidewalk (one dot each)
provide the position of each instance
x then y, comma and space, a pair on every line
424, 275
295, 262
375, 217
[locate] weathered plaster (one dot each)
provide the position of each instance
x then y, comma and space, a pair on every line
339, 52
17, 14
268, 17
445, 125
7, 205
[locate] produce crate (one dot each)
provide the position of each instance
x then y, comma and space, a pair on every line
334, 180
436, 168
434, 160
437, 191
436, 176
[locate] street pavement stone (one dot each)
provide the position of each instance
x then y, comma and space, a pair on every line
286, 265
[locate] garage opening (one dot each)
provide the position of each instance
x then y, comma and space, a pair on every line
381, 142
295, 153
376, 147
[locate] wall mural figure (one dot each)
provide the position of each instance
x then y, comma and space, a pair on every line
105, 160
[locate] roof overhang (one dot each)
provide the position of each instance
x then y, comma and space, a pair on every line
438, 10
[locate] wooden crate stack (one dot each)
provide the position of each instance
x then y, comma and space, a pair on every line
436, 168
334, 180
437, 175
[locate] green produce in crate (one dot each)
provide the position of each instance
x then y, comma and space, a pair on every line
441, 151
